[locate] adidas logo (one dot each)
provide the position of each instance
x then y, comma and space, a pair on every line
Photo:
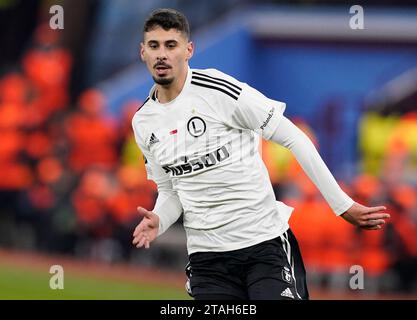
153, 139
287, 293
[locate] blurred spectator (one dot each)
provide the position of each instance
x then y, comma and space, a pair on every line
14, 172
92, 137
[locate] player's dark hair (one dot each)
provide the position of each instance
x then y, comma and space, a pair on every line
167, 19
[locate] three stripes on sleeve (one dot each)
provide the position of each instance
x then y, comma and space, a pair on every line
222, 85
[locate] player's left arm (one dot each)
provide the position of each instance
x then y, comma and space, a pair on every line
290, 136
255, 111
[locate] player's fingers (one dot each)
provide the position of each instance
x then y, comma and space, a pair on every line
143, 212
141, 242
139, 237
375, 216
138, 229
136, 239
147, 244
375, 209
375, 222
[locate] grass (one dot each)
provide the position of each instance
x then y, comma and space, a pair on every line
24, 283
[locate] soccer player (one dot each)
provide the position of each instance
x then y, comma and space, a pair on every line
199, 132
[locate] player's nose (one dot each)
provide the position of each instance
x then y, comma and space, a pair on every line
161, 54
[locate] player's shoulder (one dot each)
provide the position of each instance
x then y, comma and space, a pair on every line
143, 104
216, 81
215, 74
146, 106
143, 111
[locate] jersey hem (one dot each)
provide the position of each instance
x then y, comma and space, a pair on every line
241, 245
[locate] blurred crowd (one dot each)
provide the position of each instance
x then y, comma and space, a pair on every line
71, 177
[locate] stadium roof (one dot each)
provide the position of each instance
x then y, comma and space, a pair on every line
332, 24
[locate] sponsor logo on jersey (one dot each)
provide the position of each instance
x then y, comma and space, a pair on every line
193, 165
270, 114
196, 126
153, 139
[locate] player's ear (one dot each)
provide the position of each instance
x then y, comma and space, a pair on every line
142, 51
190, 50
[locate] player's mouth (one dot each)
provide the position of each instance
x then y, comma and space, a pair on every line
161, 69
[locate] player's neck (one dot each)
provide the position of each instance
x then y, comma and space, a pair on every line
169, 92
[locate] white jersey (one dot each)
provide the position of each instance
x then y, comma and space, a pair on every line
206, 142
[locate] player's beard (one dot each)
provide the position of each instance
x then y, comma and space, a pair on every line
163, 81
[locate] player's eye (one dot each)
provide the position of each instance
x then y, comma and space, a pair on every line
171, 45
153, 45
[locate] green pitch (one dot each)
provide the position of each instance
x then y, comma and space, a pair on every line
23, 283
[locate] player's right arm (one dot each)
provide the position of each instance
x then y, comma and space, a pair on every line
167, 208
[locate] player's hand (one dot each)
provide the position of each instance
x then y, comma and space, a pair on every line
369, 218
147, 230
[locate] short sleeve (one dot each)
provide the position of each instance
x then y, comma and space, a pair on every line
257, 112
246, 108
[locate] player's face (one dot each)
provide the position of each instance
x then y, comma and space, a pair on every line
166, 54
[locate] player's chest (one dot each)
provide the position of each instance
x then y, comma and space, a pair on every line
184, 131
